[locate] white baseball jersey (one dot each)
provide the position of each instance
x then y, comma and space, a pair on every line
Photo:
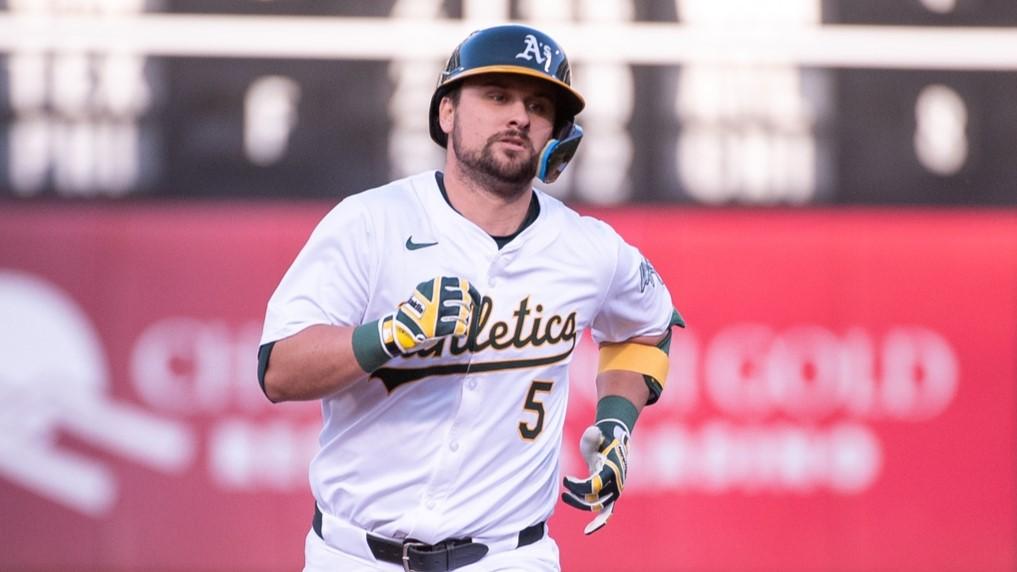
464, 440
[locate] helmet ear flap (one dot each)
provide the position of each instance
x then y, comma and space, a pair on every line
558, 152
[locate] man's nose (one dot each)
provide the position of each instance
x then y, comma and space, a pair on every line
519, 116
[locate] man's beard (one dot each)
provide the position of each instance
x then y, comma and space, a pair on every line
505, 178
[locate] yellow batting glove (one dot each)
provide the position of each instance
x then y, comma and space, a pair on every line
438, 308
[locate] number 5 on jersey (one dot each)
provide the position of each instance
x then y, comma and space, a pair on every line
530, 432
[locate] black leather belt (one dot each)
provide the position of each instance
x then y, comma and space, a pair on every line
441, 557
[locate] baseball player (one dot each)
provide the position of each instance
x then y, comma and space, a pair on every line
435, 318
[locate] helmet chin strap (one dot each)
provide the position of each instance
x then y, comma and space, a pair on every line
558, 152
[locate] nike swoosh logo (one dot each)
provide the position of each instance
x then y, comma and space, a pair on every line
410, 245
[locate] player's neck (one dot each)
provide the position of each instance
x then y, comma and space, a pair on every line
497, 213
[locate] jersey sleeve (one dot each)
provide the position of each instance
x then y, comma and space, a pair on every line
637, 302
329, 281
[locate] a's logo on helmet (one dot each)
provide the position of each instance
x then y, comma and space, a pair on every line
534, 50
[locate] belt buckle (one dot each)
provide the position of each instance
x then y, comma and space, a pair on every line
406, 554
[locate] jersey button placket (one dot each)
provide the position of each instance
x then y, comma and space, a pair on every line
493, 272
449, 464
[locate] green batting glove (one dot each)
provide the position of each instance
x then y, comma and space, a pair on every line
438, 308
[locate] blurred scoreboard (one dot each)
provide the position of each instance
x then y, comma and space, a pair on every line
930, 136
176, 122
273, 127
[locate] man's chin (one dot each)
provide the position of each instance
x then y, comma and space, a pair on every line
509, 171
518, 171
515, 174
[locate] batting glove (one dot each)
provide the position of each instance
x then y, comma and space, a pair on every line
438, 308
605, 447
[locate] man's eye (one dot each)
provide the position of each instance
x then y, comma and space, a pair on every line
540, 107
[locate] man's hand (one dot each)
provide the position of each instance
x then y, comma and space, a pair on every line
605, 447
438, 308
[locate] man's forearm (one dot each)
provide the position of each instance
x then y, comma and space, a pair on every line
311, 364
627, 384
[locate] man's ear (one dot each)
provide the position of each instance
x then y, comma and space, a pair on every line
446, 114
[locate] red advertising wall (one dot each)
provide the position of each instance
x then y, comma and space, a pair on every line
844, 398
